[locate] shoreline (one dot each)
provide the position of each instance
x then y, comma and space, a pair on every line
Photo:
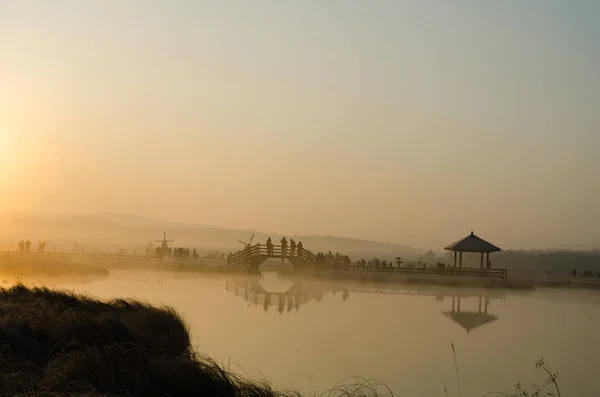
32, 267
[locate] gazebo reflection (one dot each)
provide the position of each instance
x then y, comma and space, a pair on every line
470, 319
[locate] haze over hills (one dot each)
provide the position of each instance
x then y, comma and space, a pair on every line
112, 230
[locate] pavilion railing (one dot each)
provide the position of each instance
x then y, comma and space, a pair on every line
447, 271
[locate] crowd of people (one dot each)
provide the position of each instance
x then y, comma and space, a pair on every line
183, 253
177, 253
291, 249
398, 263
336, 258
294, 249
25, 246
376, 263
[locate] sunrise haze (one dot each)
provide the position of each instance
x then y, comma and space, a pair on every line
408, 122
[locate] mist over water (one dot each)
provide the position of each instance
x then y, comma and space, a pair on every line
310, 334
146, 143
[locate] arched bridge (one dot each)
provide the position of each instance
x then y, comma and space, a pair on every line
255, 255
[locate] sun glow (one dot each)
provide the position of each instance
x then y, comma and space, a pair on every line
6, 154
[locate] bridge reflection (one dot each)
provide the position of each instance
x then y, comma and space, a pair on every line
286, 300
288, 295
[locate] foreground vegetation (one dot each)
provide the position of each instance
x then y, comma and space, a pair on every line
58, 344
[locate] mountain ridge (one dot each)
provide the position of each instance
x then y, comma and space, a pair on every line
124, 229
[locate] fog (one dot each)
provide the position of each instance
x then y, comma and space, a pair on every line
309, 334
305, 331
407, 124
161, 151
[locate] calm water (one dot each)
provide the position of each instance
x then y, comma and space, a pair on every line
310, 335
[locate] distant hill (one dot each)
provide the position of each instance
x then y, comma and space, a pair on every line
142, 221
111, 231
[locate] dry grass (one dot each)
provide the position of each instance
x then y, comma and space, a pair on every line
429, 280
30, 266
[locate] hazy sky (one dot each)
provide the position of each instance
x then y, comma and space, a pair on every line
411, 122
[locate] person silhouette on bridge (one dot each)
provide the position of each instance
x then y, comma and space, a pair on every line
292, 246
269, 247
299, 248
283, 246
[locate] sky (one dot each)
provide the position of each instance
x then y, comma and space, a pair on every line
412, 122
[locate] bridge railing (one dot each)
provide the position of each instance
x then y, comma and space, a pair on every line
276, 251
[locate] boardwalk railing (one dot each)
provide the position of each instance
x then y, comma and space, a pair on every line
109, 255
447, 271
276, 251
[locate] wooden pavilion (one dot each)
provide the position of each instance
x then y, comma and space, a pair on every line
472, 243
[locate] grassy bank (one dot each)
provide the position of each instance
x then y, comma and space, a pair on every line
16, 266
172, 265
417, 279
58, 344
515, 281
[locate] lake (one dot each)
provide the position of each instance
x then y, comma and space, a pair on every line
309, 334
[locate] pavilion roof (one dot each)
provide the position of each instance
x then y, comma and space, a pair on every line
470, 320
472, 243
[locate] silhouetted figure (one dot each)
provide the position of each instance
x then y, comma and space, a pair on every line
27, 245
21, 246
574, 272
269, 247
299, 248
292, 247
283, 246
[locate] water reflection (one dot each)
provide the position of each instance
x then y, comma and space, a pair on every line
470, 319
291, 297
269, 290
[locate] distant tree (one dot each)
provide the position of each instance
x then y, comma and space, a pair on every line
430, 257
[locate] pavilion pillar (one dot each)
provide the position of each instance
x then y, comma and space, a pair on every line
460, 259
487, 260
480, 298
458, 305
453, 303
454, 258
481, 264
